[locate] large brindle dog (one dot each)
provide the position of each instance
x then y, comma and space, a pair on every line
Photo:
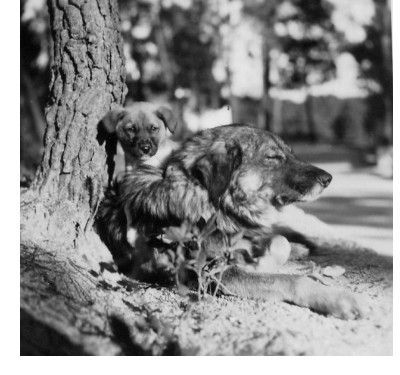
242, 175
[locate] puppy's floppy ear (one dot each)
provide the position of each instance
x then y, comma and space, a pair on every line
106, 134
215, 169
167, 117
111, 119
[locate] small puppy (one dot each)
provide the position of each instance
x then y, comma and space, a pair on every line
143, 130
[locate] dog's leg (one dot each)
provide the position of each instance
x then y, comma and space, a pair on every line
131, 233
306, 229
296, 289
130, 160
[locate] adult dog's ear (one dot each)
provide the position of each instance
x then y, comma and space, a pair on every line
234, 155
215, 169
111, 119
167, 117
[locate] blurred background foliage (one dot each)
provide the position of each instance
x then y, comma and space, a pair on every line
310, 70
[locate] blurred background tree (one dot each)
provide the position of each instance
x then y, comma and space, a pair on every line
35, 78
318, 70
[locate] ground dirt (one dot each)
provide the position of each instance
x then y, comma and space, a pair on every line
159, 320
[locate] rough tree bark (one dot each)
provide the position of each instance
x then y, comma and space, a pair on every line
88, 78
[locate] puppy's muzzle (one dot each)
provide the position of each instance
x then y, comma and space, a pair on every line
145, 147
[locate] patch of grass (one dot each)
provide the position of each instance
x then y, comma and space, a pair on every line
199, 254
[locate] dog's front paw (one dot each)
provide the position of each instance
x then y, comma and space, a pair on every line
330, 300
346, 305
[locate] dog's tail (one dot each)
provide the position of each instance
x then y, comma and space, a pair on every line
157, 198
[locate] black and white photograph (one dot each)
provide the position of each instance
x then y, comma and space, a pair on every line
205, 178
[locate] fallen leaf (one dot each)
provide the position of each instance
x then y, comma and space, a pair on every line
333, 271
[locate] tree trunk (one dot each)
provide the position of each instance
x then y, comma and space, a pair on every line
88, 78
33, 105
386, 42
165, 59
58, 248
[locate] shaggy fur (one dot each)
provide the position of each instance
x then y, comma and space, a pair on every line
245, 176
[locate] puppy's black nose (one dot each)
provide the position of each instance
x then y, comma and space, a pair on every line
324, 179
145, 148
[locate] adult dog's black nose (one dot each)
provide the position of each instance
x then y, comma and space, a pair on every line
324, 178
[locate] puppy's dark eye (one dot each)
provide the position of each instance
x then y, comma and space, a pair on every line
154, 128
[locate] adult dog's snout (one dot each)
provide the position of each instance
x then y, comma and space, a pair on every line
302, 182
324, 178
